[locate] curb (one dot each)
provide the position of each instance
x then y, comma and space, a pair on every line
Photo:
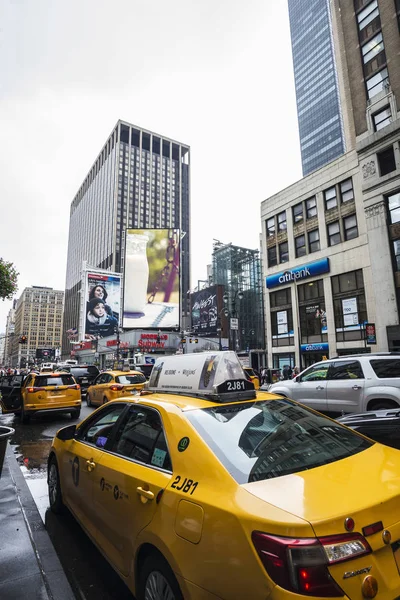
55, 580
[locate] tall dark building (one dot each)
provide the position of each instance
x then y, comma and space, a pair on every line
139, 180
317, 91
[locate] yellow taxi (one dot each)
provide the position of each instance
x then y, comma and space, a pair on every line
203, 489
252, 376
114, 384
50, 392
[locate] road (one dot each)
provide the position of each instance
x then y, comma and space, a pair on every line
89, 574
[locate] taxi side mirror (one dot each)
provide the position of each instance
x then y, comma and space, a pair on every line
66, 433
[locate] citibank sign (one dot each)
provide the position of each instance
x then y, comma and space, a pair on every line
313, 269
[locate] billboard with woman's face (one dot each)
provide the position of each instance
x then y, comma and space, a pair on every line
151, 279
103, 299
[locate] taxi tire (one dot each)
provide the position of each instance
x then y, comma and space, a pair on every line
76, 413
157, 563
88, 399
58, 506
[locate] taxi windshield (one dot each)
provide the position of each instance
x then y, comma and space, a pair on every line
263, 440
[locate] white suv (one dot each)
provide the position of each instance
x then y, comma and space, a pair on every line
347, 384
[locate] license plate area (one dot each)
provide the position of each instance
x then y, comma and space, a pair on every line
396, 554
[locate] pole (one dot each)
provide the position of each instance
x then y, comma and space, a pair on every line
296, 299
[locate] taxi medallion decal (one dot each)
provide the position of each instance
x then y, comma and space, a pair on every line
183, 444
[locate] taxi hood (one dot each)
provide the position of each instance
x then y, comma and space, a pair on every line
365, 486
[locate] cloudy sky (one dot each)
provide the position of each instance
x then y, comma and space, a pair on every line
214, 74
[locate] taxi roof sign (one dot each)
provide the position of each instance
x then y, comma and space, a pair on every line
217, 376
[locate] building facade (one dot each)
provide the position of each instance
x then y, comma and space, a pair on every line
39, 317
139, 180
316, 82
346, 215
10, 327
238, 270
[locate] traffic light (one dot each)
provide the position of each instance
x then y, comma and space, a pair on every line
23, 339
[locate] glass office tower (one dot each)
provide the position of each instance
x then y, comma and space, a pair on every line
317, 93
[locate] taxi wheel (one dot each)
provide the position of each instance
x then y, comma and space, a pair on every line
157, 581
75, 414
55, 496
88, 399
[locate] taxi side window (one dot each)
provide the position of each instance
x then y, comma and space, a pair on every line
349, 369
28, 381
141, 437
98, 430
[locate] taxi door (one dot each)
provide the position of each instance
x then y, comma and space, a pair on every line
97, 389
133, 470
79, 465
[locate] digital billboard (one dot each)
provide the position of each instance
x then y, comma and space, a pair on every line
151, 279
102, 304
206, 306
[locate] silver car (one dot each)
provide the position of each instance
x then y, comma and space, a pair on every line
347, 384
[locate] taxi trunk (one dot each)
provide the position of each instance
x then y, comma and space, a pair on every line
119, 390
357, 539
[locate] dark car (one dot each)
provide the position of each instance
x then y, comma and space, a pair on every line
380, 425
83, 374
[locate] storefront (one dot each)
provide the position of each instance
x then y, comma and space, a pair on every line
312, 353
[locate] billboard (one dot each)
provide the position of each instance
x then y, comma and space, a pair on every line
151, 279
205, 310
102, 304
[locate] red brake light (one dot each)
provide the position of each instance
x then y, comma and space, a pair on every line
301, 565
116, 387
75, 386
35, 389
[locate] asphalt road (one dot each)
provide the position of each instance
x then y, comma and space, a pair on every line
89, 574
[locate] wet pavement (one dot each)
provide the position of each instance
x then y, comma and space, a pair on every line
88, 573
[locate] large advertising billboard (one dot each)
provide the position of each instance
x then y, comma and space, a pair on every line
206, 307
102, 304
151, 279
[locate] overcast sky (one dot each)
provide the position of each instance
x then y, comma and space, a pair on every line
214, 74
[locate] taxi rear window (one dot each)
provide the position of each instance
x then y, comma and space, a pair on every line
263, 440
43, 381
129, 379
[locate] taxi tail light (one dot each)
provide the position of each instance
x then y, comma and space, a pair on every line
117, 387
301, 565
76, 386
35, 389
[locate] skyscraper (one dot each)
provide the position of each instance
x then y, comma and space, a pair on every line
139, 180
317, 91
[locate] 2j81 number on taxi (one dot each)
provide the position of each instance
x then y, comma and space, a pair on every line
187, 486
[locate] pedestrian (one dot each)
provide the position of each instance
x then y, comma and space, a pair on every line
296, 371
287, 372
264, 374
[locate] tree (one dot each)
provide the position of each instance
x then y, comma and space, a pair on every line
8, 280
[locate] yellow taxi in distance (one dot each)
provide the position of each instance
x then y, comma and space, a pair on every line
252, 376
114, 384
203, 489
50, 392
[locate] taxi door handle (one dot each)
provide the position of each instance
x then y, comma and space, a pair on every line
356, 387
320, 387
145, 493
90, 465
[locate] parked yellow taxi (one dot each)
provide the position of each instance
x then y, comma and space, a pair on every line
203, 489
114, 384
50, 392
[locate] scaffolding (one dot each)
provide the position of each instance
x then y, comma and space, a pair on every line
239, 270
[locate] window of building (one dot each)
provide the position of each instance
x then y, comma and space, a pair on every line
271, 227
283, 252
311, 208
313, 327
281, 317
368, 14
334, 234
350, 227
382, 118
386, 161
282, 226
272, 256
300, 245
330, 198
298, 213
349, 305
372, 48
377, 83
346, 191
394, 207
313, 240
396, 253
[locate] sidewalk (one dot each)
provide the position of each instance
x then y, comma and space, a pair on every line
29, 566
